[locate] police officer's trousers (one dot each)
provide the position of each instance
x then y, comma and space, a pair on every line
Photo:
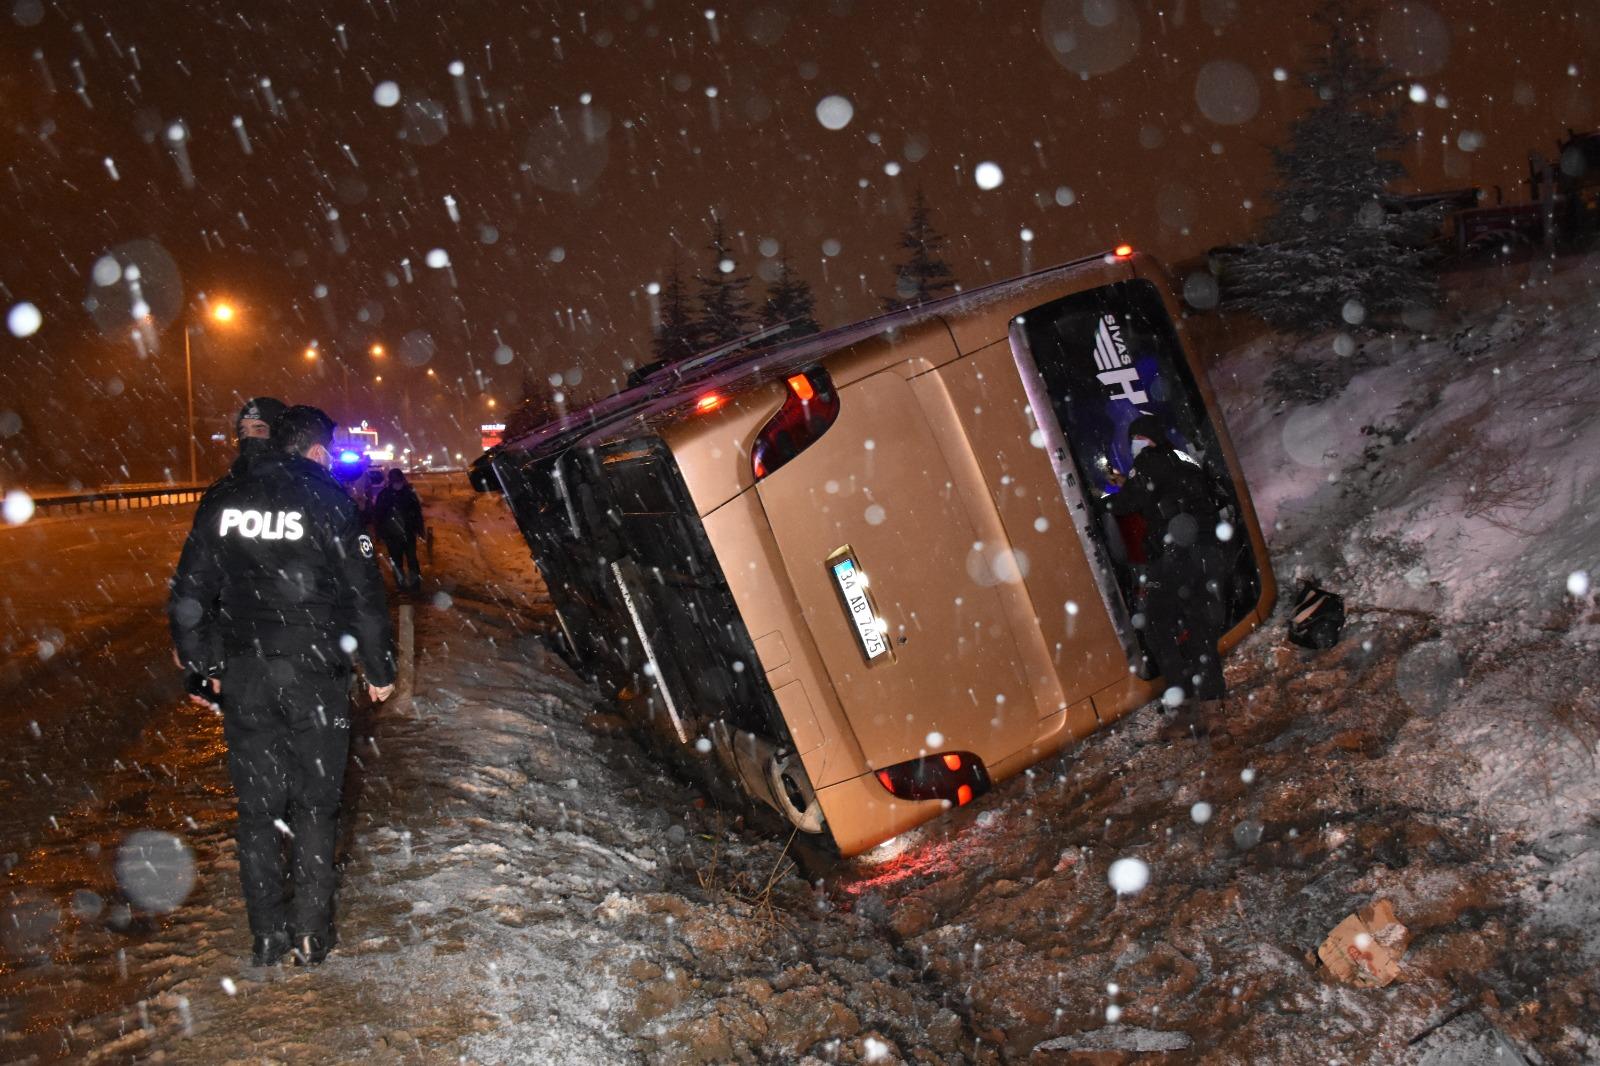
1185, 610
403, 555
287, 723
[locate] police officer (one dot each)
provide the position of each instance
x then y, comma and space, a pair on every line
1184, 583
276, 590
252, 430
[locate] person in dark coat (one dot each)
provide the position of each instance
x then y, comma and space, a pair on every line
252, 430
1184, 584
397, 515
365, 493
277, 590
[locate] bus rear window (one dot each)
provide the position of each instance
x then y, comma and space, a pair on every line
1106, 357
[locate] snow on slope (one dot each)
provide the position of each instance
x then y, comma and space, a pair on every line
1469, 455
1458, 476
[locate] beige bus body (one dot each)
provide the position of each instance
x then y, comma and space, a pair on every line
946, 480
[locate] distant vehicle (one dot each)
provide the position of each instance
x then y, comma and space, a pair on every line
1501, 226
869, 568
1564, 209
348, 465
356, 450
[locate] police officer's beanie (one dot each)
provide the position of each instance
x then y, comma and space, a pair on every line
1148, 426
262, 409
301, 426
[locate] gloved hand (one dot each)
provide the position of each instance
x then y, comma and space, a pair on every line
203, 690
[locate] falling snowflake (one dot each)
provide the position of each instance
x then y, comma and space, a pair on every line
24, 320
835, 112
1128, 876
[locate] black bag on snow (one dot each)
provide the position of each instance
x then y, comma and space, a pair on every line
1318, 617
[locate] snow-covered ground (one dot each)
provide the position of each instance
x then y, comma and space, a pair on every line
526, 884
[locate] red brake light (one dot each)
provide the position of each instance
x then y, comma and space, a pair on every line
1122, 251
810, 407
958, 777
709, 402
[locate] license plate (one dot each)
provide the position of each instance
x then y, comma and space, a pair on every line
852, 582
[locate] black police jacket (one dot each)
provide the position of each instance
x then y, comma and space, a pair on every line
397, 513
1162, 486
276, 564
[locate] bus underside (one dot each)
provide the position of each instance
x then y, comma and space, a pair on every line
645, 610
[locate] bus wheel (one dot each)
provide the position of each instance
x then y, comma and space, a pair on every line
792, 789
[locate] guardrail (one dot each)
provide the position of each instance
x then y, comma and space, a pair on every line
57, 503
117, 498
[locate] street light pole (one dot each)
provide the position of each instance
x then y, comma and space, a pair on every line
188, 383
220, 312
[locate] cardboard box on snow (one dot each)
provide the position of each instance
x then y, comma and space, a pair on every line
1365, 949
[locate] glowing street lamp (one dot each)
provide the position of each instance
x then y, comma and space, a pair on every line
377, 351
222, 313
311, 352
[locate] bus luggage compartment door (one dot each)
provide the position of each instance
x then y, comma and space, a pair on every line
877, 485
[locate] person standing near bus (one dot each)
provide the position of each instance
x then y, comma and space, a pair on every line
276, 591
1184, 585
398, 518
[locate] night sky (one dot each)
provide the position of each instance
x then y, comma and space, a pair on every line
539, 164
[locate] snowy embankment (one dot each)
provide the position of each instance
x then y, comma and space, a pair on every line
1457, 477
526, 885
1454, 474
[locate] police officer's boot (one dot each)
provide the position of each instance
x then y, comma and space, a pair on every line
310, 949
269, 950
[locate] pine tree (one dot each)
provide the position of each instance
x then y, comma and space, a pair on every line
923, 276
725, 311
789, 299
1333, 253
534, 407
676, 338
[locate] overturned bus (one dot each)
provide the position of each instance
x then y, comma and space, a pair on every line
871, 569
